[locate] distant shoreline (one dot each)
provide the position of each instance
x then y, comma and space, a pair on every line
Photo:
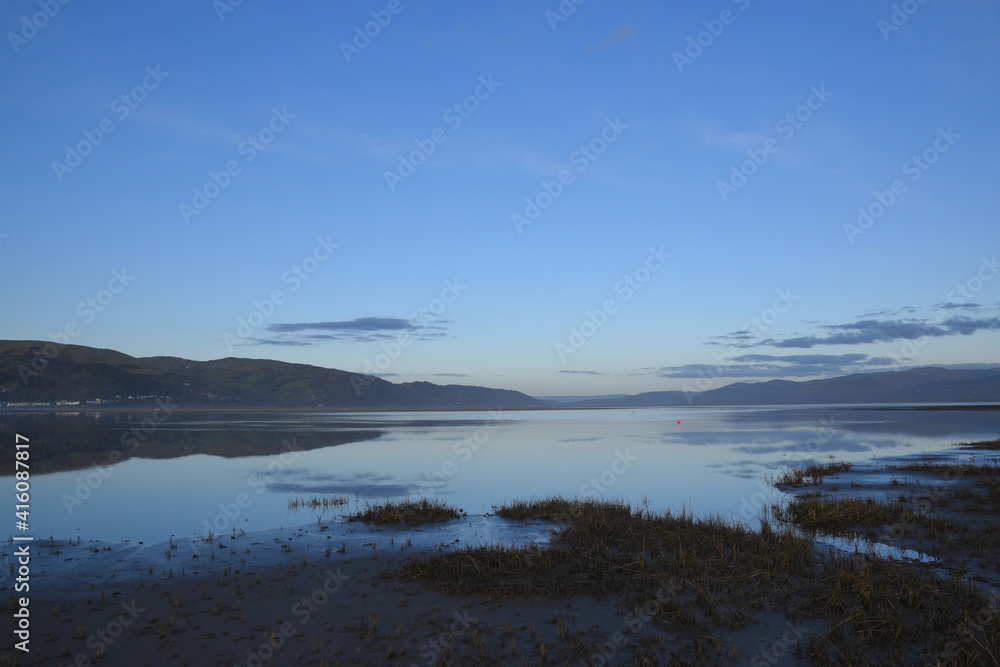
989, 407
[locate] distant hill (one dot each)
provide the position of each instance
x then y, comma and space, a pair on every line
919, 385
562, 400
78, 373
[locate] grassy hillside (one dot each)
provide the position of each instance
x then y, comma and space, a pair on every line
33, 371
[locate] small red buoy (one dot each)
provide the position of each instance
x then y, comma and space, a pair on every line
678, 421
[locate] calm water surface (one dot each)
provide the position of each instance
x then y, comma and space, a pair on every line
714, 461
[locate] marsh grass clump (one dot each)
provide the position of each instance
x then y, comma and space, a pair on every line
408, 512
551, 508
838, 516
877, 606
703, 577
870, 607
982, 444
605, 547
813, 474
317, 502
949, 470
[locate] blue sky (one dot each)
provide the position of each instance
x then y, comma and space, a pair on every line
627, 198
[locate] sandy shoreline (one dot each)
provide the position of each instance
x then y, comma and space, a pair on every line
328, 593
220, 601
246, 597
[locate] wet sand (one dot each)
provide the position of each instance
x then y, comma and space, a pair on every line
325, 594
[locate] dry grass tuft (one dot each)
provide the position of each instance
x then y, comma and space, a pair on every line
982, 444
813, 474
317, 502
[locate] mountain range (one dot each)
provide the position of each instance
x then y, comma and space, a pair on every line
918, 385
41, 372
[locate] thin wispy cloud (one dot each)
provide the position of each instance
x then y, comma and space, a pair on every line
886, 331
270, 341
620, 35
359, 324
358, 330
188, 127
335, 146
521, 159
738, 338
870, 328
959, 306
889, 312
736, 141
775, 366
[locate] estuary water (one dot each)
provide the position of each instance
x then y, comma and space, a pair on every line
147, 476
